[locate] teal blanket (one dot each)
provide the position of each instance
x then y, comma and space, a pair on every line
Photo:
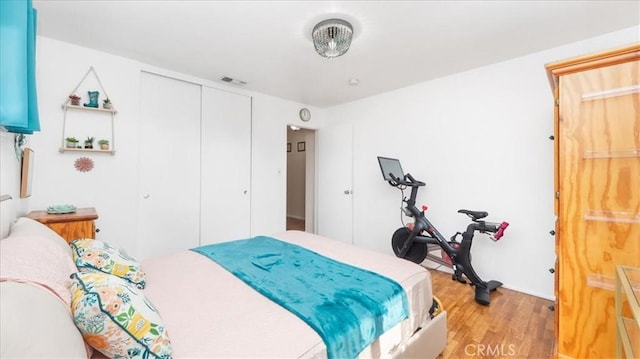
347, 306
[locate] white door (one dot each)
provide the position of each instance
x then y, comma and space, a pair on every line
226, 166
169, 166
335, 181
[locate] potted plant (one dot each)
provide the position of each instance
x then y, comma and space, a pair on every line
71, 142
106, 104
75, 99
104, 144
88, 143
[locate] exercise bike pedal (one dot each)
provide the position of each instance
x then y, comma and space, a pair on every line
458, 278
482, 295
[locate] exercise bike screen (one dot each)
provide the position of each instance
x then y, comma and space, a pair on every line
390, 165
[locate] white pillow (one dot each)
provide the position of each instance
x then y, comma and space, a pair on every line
30, 227
34, 324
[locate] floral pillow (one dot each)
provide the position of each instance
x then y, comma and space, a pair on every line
93, 254
116, 318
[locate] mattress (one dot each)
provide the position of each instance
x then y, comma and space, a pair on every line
209, 313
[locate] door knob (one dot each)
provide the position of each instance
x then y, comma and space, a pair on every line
145, 196
346, 191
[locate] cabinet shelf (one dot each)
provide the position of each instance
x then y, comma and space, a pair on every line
628, 328
64, 149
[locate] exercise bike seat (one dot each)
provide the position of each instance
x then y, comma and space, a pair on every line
475, 215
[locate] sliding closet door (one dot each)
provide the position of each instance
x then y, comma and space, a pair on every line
226, 166
169, 165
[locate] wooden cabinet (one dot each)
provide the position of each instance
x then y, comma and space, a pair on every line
597, 191
69, 226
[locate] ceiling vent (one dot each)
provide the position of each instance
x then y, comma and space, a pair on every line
233, 81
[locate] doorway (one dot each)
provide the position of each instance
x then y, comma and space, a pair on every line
301, 175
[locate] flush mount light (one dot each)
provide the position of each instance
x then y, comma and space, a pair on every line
332, 37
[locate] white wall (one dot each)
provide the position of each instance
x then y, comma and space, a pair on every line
9, 183
269, 163
112, 186
479, 139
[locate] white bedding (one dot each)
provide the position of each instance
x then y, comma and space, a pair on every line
209, 313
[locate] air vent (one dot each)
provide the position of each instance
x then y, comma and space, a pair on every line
233, 81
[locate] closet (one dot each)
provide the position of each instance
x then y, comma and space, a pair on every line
194, 167
226, 166
597, 191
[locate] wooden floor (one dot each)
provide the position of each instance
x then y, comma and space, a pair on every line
514, 325
295, 224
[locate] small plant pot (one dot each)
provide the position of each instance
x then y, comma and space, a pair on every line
104, 147
71, 144
75, 102
106, 106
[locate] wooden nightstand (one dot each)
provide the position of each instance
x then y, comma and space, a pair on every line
69, 226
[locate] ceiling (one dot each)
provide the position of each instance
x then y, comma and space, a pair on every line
268, 43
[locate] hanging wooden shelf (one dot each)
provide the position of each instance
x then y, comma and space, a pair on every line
97, 150
66, 106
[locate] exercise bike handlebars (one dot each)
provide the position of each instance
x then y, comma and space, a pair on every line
500, 232
411, 183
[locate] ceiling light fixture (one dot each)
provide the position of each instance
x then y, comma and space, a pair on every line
332, 37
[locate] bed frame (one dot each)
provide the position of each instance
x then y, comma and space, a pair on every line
37, 323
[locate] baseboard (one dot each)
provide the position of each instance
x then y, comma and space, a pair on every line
528, 292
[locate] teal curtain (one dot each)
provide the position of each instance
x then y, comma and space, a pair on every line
18, 97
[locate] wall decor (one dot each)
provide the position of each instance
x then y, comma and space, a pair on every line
305, 114
71, 108
26, 178
93, 99
301, 146
289, 147
83, 164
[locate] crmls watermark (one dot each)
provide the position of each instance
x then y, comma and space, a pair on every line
497, 350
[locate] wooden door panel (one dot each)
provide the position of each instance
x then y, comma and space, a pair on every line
599, 204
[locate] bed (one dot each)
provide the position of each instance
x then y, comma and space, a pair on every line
207, 312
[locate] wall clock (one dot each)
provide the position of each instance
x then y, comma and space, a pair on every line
305, 114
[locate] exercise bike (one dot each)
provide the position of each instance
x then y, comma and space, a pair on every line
415, 241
